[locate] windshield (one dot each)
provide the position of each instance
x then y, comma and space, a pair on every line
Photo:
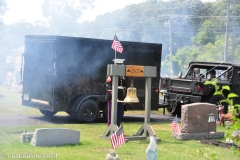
208, 72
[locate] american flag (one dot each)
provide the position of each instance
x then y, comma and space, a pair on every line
116, 45
117, 138
175, 126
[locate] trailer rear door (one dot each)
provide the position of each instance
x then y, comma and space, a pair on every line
38, 61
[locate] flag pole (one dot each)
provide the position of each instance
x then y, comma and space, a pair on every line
115, 50
115, 57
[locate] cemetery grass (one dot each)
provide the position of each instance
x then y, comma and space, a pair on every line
11, 104
91, 146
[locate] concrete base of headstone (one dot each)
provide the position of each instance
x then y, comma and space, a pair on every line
55, 137
198, 136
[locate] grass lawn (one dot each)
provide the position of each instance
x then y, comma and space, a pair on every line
11, 104
91, 147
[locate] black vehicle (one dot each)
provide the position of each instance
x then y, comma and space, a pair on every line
190, 88
69, 74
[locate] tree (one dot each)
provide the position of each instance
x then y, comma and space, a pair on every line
63, 15
207, 33
184, 56
3, 9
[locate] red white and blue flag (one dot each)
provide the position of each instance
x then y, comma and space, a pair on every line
117, 138
116, 45
175, 126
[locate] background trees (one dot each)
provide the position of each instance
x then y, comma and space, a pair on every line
2, 49
63, 15
196, 29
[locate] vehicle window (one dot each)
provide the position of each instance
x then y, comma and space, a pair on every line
219, 72
199, 71
203, 71
238, 75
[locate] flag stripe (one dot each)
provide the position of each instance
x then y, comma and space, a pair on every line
175, 126
116, 45
117, 138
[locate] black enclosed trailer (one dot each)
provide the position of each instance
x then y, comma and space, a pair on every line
69, 73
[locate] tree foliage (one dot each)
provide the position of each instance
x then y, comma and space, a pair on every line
196, 29
186, 55
63, 15
206, 34
3, 8
233, 107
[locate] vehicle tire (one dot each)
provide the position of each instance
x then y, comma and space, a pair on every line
47, 113
88, 112
176, 109
215, 99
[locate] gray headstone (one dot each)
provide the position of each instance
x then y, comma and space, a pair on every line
194, 118
194, 122
55, 137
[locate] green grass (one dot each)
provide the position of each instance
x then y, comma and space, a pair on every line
92, 147
11, 104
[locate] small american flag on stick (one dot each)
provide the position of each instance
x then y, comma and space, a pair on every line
116, 45
117, 138
175, 126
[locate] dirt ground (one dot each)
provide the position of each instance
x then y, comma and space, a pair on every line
219, 144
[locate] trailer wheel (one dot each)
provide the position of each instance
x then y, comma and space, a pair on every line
88, 112
47, 113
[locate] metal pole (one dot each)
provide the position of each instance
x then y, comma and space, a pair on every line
114, 100
233, 42
147, 104
226, 35
170, 46
147, 99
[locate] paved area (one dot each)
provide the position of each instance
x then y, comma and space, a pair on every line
22, 120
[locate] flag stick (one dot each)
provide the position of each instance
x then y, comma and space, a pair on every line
115, 50
115, 57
